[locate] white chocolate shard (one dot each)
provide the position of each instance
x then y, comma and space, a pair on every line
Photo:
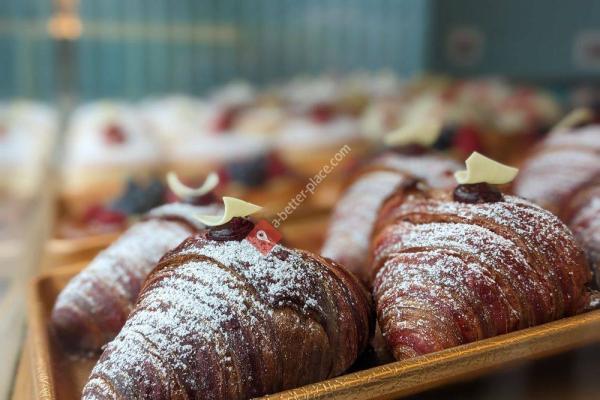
183, 192
575, 117
422, 132
233, 208
483, 169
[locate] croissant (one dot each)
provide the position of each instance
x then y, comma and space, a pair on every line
94, 305
216, 319
451, 272
563, 175
348, 237
582, 215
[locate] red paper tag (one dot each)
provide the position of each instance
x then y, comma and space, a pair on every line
264, 237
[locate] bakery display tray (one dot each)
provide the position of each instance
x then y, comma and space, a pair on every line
58, 376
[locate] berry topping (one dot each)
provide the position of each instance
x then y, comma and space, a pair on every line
322, 113
275, 166
236, 229
466, 140
114, 134
99, 215
137, 199
225, 119
477, 193
252, 172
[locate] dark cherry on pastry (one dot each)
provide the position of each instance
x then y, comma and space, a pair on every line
477, 193
236, 229
452, 272
348, 237
218, 320
93, 307
563, 175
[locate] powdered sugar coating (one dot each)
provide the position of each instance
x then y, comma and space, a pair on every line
93, 307
222, 320
562, 164
585, 224
550, 177
436, 170
348, 237
586, 137
472, 271
563, 175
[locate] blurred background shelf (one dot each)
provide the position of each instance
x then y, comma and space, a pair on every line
135, 48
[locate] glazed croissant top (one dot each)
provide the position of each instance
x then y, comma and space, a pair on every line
348, 237
94, 305
219, 320
449, 273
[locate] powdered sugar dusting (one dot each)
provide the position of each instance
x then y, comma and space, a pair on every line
566, 167
586, 227
551, 176
207, 323
472, 271
282, 283
587, 138
101, 296
436, 170
352, 222
349, 233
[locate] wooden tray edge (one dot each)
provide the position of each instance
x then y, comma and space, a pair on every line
386, 381
59, 247
403, 378
40, 358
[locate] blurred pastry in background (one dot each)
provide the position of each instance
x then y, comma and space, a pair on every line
106, 144
27, 134
114, 214
490, 115
307, 145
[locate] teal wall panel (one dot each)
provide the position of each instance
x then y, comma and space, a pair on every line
26, 54
135, 48
530, 39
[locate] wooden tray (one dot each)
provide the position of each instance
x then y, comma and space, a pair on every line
57, 376
59, 252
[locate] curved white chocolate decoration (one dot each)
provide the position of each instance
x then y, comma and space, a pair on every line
483, 169
424, 133
182, 191
233, 208
575, 117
